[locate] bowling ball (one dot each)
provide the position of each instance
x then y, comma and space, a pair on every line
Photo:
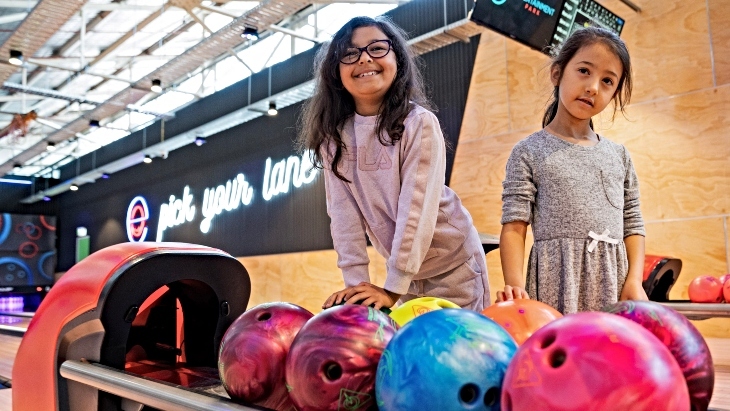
726, 291
705, 289
594, 361
445, 360
683, 340
723, 278
418, 306
521, 317
253, 353
385, 310
332, 362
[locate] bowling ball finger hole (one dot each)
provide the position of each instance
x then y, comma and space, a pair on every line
548, 341
491, 397
263, 316
469, 393
332, 371
557, 358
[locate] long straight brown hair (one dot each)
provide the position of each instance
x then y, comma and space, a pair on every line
582, 38
331, 105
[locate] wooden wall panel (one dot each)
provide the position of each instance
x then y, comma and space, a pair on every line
305, 279
529, 85
669, 46
487, 108
681, 151
720, 34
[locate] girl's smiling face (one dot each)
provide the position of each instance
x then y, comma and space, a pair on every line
588, 82
368, 79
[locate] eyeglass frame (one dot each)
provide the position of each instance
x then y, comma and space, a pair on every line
365, 49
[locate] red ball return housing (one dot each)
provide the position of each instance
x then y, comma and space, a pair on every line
132, 324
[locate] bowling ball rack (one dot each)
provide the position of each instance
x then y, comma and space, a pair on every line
699, 311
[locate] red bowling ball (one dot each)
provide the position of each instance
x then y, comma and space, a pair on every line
683, 340
593, 361
726, 291
521, 317
333, 360
705, 289
253, 354
723, 278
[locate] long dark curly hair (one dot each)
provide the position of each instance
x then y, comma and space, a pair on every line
331, 105
585, 37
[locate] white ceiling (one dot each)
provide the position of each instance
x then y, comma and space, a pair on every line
95, 60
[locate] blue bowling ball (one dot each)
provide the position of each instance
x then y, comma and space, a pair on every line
444, 360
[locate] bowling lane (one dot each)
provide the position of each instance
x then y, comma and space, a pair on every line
8, 348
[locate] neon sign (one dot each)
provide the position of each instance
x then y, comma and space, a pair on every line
137, 215
279, 177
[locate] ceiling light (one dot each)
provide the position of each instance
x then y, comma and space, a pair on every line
46, 198
272, 109
51, 146
73, 187
17, 166
94, 123
104, 176
250, 33
147, 159
156, 86
16, 58
199, 141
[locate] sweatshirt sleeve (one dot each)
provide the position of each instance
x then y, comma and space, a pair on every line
423, 174
347, 227
633, 222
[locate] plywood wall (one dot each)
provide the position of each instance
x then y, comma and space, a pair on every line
677, 130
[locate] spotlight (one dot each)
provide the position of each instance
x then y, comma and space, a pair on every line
73, 187
250, 33
16, 58
46, 198
199, 141
156, 86
272, 109
51, 146
94, 123
104, 176
147, 159
17, 166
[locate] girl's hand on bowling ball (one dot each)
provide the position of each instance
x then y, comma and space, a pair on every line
371, 295
511, 293
336, 298
633, 291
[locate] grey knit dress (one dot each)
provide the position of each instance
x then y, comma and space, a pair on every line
581, 202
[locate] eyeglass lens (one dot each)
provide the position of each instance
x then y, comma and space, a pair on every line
376, 49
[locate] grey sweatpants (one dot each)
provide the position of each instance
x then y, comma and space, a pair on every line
466, 285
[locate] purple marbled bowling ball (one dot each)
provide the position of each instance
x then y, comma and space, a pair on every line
253, 353
683, 340
333, 360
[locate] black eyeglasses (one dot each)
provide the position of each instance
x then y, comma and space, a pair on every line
376, 49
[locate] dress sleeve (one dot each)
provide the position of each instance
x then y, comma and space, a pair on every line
633, 221
423, 175
518, 188
347, 227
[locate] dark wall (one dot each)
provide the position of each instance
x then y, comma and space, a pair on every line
295, 221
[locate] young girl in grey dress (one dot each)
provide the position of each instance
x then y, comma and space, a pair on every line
577, 189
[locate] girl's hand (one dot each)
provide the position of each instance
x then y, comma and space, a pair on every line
511, 293
363, 294
633, 291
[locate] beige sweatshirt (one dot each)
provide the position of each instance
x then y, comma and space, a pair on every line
397, 195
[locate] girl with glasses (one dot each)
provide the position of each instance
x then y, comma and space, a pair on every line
369, 126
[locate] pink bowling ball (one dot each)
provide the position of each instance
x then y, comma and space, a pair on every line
723, 278
726, 291
594, 361
253, 354
705, 289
